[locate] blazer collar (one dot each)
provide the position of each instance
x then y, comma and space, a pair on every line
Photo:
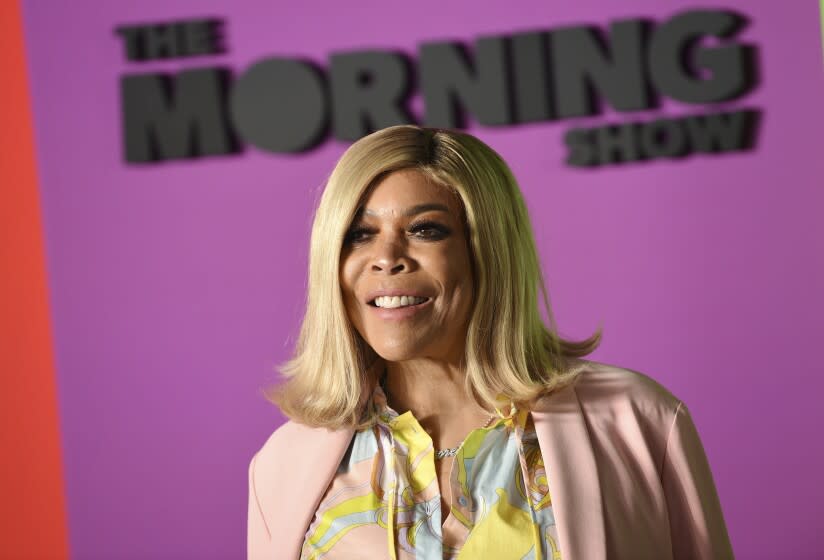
565, 447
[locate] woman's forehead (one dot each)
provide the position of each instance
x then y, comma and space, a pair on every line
409, 192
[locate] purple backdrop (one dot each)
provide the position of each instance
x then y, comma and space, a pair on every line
175, 288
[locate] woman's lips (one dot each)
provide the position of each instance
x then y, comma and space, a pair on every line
398, 313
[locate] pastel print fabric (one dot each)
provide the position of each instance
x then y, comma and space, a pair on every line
384, 500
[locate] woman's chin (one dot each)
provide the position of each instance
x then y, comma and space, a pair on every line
397, 355
398, 352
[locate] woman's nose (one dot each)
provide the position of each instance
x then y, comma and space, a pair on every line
390, 256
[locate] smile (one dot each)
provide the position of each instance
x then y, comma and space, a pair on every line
395, 310
391, 302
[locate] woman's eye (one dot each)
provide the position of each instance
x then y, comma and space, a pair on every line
424, 230
430, 230
356, 235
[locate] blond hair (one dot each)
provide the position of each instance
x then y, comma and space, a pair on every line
509, 350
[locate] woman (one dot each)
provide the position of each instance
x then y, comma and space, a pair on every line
434, 415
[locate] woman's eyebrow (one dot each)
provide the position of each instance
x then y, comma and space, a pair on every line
417, 209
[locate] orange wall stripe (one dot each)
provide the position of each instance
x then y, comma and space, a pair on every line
33, 505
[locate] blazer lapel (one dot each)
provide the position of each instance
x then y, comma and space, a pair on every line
298, 481
572, 475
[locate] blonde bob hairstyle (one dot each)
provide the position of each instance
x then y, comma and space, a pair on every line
333, 372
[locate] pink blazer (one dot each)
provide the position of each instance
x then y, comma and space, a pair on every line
627, 473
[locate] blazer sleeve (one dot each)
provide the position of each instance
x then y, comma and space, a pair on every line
258, 537
696, 520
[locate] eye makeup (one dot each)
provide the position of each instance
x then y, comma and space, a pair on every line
430, 230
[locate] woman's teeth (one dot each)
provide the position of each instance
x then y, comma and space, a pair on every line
390, 302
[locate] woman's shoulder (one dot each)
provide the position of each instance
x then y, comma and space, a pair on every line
601, 388
616, 404
293, 439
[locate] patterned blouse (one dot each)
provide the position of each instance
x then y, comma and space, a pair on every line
384, 500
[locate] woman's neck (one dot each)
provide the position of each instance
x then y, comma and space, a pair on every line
434, 392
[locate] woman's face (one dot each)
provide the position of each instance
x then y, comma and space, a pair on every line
408, 240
